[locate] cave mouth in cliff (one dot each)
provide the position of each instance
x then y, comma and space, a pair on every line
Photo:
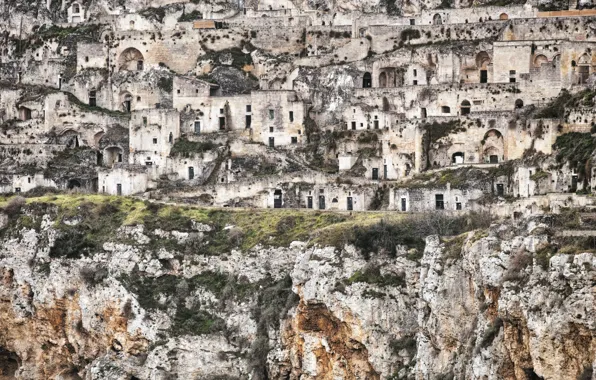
9, 364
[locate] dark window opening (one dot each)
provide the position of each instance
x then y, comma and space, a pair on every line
291, 116
272, 142
248, 121
277, 199
350, 204
483, 76
191, 172
321, 202
197, 127
294, 140
403, 204
375, 173
222, 123
439, 204
494, 159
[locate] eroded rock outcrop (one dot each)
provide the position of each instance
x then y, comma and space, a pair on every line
155, 302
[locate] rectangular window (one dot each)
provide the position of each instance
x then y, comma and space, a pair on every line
445, 109
439, 204
376, 124
483, 76
222, 123
221, 111
119, 157
28, 179
271, 114
321, 202
415, 82
403, 204
415, 72
375, 174
458, 206
17, 190
249, 108
144, 121
197, 127
291, 116
191, 172
154, 141
294, 140
412, 21
271, 129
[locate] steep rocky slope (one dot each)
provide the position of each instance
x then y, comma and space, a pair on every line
113, 288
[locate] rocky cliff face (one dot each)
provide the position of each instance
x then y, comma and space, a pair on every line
118, 289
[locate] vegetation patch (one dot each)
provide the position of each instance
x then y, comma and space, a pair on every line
185, 148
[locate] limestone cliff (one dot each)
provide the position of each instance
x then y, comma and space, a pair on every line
113, 288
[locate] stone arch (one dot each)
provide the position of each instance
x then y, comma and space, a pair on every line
556, 60
503, 16
465, 108
482, 60
493, 146
76, 8
74, 184
97, 138
367, 80
70, 138
383, 79
131, 59
539, 60
112, 155
437, 20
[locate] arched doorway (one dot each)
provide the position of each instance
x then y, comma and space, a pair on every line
126, 99
457, 158
465, 108
131, 59
383, 80
493, 147
583, 69
367, 80
437, 20
482, 62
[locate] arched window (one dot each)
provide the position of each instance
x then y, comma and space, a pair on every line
503, 16
76, 8
445, 109
383, 80
437, 19
367, 80
131, 59
465, 108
